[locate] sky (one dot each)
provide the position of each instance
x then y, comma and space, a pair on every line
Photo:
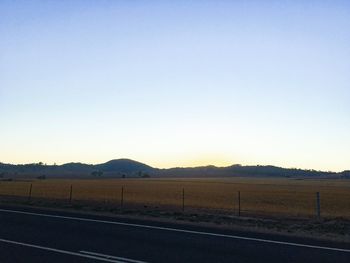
176, 83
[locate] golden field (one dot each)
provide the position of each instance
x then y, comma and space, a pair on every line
272, 196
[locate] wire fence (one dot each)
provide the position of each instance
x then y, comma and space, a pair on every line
225, 199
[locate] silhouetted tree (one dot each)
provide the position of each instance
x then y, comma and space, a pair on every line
97, 173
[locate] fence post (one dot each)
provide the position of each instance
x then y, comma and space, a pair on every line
239, 203
70, 194
122, 199
318, 205
30, 192
183, 199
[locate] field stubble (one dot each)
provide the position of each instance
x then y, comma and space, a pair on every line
267, 196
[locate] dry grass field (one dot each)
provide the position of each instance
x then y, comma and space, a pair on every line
289, 197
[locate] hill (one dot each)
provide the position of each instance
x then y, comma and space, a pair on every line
113, 168
130, 168
239, 170
123, 166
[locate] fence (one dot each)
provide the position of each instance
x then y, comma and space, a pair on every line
189, 197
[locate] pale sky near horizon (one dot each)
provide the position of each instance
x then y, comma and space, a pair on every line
176, 83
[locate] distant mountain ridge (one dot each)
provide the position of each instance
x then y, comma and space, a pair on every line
129, 168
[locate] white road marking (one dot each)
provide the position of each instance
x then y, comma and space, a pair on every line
179, 230
63, 251
127, 260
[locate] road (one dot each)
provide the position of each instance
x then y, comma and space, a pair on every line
37, 235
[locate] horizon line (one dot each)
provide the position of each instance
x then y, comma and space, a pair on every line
183, 167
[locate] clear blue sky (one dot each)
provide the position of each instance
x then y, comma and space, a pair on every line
176, 83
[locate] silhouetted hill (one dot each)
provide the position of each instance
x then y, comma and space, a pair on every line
239, 170
345, 174
113, 168
129, 168
75, 167
123, 166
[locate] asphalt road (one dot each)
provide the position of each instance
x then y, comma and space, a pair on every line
36, 235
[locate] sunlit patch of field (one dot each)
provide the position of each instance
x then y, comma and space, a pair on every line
258, 195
